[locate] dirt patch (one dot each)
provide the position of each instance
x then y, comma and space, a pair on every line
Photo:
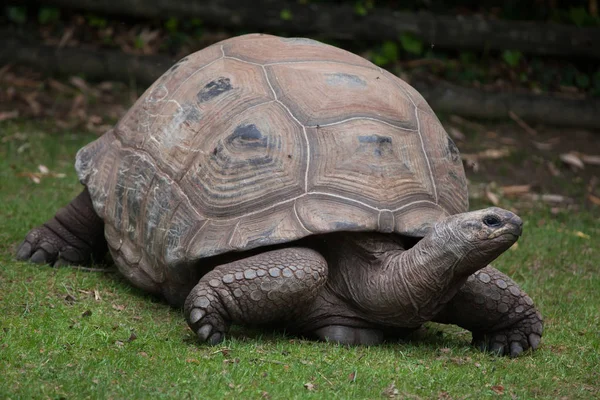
541, 163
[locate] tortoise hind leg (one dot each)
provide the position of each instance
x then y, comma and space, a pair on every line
271, 287
502, 317
74, 235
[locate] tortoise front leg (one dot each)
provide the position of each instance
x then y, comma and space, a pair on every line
502, 317
274, 286
72, 236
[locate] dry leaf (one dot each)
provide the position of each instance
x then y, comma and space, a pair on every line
34, 105
97, 295
118, 307
456, 134
352, 376
59, 86
25, 82
582, 235
552, 168
67, 35
23, 147
494, 154
78, 105
589, 159
499, 389
79, 83
549, 198
309, 386
594, 199
509, 141
542, 146
573, 160
106, 86
390, 391
4, 115
489, 154
465, 122
515, 190
492, 197
522, 123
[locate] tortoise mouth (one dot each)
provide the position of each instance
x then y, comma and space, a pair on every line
512, 233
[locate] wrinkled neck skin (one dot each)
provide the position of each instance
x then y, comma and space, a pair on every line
394, 285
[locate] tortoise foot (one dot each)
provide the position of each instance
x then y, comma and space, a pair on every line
204, 318
512, 340
270, 287
73, 236
43, 245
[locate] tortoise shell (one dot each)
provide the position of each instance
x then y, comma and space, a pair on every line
259, 140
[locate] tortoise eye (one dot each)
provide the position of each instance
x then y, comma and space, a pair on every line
492, 221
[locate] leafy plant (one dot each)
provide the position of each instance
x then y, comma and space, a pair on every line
285, 14
512, 57
48, 15
171, 24
387, 54
411, 44
138, 42
582, 80
467, 57
362, 7
17, 14
96, 22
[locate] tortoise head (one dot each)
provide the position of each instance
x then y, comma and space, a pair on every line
480, 235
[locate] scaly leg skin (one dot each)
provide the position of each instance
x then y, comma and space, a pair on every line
73, 236
502, 317
274, 286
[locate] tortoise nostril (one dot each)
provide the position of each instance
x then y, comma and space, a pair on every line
493, 221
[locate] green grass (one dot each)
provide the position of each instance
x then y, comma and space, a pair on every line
67, 333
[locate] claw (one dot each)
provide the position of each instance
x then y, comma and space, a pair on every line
71, 255
534, 340
216, 338
24, 251
50, 249
61, 262
203, 332
39, 257
196, 315
497, 348
515, 349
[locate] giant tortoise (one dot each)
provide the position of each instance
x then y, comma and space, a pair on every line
287, 183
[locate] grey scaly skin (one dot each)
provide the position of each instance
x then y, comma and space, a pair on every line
359, 287
75, 235
355, 288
